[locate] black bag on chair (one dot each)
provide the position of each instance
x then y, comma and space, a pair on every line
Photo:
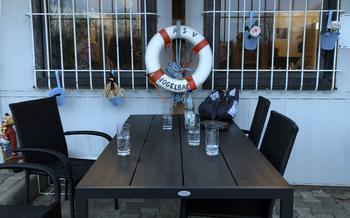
220, 105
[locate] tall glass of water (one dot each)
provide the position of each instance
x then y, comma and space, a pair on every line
211, 139
123, 140
194, 130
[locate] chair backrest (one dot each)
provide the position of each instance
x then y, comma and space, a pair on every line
38, 125
278, 140
262, 108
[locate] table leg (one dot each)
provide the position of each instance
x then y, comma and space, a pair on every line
286, 207
81, 206
183, 212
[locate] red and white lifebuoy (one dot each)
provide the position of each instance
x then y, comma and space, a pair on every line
154, 68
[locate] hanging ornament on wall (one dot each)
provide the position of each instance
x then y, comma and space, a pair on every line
252, 33
112, 91
330, 36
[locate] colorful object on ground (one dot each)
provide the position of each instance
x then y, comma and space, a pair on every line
8, 139
164, 38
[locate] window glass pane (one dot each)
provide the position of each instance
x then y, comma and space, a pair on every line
52, 6
66, 6
80, 6
108, 6
95, 43
268, 5
94, 6
311, 40
54, 42
314, 4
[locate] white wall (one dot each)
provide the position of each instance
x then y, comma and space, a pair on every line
321, 154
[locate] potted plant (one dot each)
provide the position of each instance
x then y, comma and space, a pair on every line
113, 92
330, 36
251, 34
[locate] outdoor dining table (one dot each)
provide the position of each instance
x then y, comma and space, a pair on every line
163, 166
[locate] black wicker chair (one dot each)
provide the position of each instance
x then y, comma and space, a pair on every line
42, 141
257, 126
276, 146
53, 210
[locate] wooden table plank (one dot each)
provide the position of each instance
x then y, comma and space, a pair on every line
201, 170
248, 165
160, 161
113, 170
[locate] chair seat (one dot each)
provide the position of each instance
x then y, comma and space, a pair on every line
79, 168
29, 211
228, 208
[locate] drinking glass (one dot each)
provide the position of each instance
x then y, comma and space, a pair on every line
167, 117
194, 130
123, 140
211, 139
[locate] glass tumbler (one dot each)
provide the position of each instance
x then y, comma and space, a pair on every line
167, 117
123, 140
211, 139
194, 130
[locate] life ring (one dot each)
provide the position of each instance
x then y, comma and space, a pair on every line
200, 47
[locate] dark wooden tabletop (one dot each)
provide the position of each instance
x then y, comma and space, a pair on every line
163, 159
163, 165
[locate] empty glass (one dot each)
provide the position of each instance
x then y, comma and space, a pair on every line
211, 139
123, 140
167, 117
194, 130
167, 121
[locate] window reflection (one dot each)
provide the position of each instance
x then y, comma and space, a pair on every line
91, 41
294, 36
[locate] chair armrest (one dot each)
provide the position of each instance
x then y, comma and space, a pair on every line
37, 167
88, 132
246, 131
56, 154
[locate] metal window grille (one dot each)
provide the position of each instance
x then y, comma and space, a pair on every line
121, 13
226, 19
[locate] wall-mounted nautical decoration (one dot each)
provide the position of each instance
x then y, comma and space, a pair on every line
164, 38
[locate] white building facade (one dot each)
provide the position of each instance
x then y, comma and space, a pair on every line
321, 154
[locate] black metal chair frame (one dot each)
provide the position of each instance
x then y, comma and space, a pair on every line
276, 149
57, 155
54, 209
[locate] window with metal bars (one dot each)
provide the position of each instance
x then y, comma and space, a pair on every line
85, 39
288, 55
